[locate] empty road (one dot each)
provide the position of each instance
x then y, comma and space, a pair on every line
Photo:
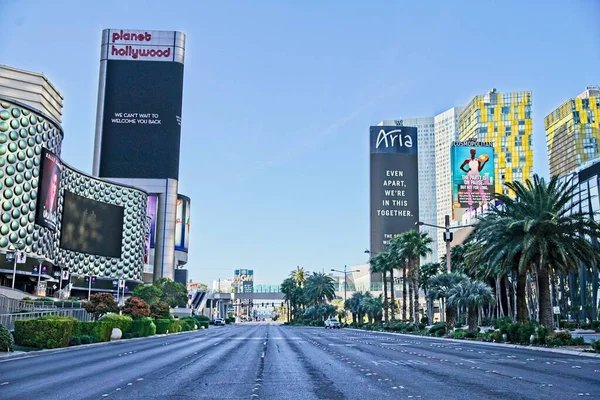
268, 361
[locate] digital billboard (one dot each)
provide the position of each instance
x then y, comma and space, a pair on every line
472, 174
243, 280
152, 210
90, 226
394, 183
48, 188
182, 223
141, 101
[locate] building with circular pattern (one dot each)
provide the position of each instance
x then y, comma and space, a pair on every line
86, 240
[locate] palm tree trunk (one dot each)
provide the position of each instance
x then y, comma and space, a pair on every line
522, 298
403, 291
411, 305
545, 298
472, 318
385, 296
392, 300
416, 285
450, 317
499, 297
509, 303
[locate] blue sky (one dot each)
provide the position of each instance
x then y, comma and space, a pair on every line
279, 96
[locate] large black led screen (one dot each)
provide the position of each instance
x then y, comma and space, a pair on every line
141, 126
90, 226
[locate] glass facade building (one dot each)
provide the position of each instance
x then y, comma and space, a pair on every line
427, 178
505, 120
445, 132
573, 132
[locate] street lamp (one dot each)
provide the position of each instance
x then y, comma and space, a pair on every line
19, 244
448, 236
345, 272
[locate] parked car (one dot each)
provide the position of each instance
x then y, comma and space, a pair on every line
332, 323
219, 321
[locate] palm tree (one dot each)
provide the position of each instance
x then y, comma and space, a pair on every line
372, 307
554, 234
426, 272
397, 259
380, 264
299, 274
440, 288
288, 288
319, 288
473, 295
354, 305
416, 245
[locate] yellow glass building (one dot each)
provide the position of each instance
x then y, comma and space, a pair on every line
573, 132
505, 120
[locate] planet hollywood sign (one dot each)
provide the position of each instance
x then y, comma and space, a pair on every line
140, 45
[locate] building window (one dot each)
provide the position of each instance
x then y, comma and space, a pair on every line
576, 119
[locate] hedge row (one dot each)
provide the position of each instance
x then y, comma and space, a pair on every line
53, 332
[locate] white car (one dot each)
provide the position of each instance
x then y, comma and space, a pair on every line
332, 323
219, 321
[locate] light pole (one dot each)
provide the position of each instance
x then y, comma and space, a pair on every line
448, 236
41, 260
19, 244
345, 272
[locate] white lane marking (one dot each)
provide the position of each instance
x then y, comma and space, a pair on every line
3, 383
139, 379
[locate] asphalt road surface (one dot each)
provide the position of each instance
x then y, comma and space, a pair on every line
268, 361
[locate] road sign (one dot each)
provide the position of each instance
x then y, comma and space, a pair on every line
556, 310
65, 274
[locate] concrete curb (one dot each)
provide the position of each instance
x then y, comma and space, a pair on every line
506, 345
28, 354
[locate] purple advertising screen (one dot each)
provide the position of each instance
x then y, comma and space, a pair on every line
152, 207
49, 183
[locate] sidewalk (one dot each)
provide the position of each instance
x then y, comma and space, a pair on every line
557, 350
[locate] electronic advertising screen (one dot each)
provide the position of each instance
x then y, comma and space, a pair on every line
48, 189
394, 183
472, 174
143, 92
90, 226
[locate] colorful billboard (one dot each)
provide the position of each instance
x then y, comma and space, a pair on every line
182, 223
394, 183
243, 280
141, 95
472, 174
151, 213
48, 188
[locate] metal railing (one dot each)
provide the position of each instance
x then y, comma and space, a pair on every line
8, 305
8, 320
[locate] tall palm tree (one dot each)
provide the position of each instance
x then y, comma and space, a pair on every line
355, 306
426, 272
470, 294
440, 288
319, 288
417, 244
380, 264
372, 307
288, 288
299, 274
554, 233
397, 259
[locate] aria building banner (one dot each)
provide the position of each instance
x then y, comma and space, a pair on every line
138, 126
394, 183
48, 188
472, 174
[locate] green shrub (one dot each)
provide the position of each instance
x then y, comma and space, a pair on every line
143, 327
86, 339
596, 345
201, 318
188, 324
6, 339
162, 325
498, 322
438, 329
519, 333
44, 332
127, 335
596, 326
458, 334
74, 341
203, 324
471, 335
562, 338
123, 322
175, 326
